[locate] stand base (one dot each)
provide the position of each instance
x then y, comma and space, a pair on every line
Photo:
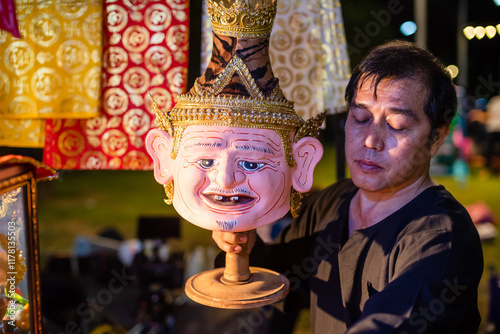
263, 288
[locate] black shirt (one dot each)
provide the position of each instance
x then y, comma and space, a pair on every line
416, 271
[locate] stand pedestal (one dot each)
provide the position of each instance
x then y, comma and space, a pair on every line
237, 286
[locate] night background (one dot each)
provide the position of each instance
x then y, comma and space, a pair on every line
442, 28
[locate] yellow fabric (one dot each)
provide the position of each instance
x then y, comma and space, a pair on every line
54, 70
22, 132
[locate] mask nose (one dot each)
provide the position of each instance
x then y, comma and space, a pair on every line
228, 176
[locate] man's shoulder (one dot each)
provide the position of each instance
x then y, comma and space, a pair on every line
336, 191
437, 209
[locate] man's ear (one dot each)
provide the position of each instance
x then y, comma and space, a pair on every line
159, 145
307, 152
439, 139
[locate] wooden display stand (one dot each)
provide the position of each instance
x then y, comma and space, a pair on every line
237, 286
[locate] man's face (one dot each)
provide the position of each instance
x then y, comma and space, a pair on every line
387, 136
231, 178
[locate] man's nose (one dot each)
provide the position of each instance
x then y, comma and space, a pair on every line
374, 138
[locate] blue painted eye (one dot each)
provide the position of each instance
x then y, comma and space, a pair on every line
250, 166
206, 163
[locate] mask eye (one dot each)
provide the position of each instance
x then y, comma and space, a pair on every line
206, 163
250, 166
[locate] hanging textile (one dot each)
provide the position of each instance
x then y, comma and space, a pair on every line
54, 70
8, 20
308, 51
145, 51
22, 132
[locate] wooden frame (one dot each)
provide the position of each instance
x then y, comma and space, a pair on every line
19, 249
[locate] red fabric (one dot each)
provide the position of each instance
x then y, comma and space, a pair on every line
8, 19
145, 50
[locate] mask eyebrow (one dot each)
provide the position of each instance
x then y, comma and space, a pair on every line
254, 148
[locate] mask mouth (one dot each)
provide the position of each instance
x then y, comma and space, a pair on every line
231, 200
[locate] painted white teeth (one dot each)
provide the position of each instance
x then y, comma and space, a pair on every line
218, 197
234, 198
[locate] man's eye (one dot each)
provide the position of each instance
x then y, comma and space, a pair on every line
206, 163
250, 166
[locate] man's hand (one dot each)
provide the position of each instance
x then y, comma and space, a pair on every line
235, 242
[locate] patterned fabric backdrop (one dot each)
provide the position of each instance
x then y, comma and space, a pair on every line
145, 51
53, 71
308, 54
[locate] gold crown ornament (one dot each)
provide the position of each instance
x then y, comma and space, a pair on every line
238, 19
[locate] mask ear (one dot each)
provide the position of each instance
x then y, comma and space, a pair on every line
159, 146
307, 152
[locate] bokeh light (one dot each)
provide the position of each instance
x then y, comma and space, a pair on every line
408, 28
453, 71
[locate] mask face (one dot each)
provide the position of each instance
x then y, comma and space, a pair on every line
229, 179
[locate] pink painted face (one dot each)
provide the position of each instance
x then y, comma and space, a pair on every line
232, 179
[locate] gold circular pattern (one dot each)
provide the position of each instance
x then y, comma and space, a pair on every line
136, 160
314, 39
23, 9
136, 122
136, 80
285, 75
283, 7
75, 104
94, 126
176, 79
135, 38
135, 5
19, 57
114, 143
71, 143
162, 97
301, 94
3, 36
93, 160
4, 86
71, 9
22, 105
72, 56
157, 17
45, 29
177, 38
157, 59
115, 60
116, 18
115, 101
316, 76
92, 27
316, 6
178, 4
281, 40
92, 82
299, 22
300, 58
46, 83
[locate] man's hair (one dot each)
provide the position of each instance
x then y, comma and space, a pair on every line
398, 60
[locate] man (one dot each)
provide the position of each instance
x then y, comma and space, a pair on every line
388, 251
